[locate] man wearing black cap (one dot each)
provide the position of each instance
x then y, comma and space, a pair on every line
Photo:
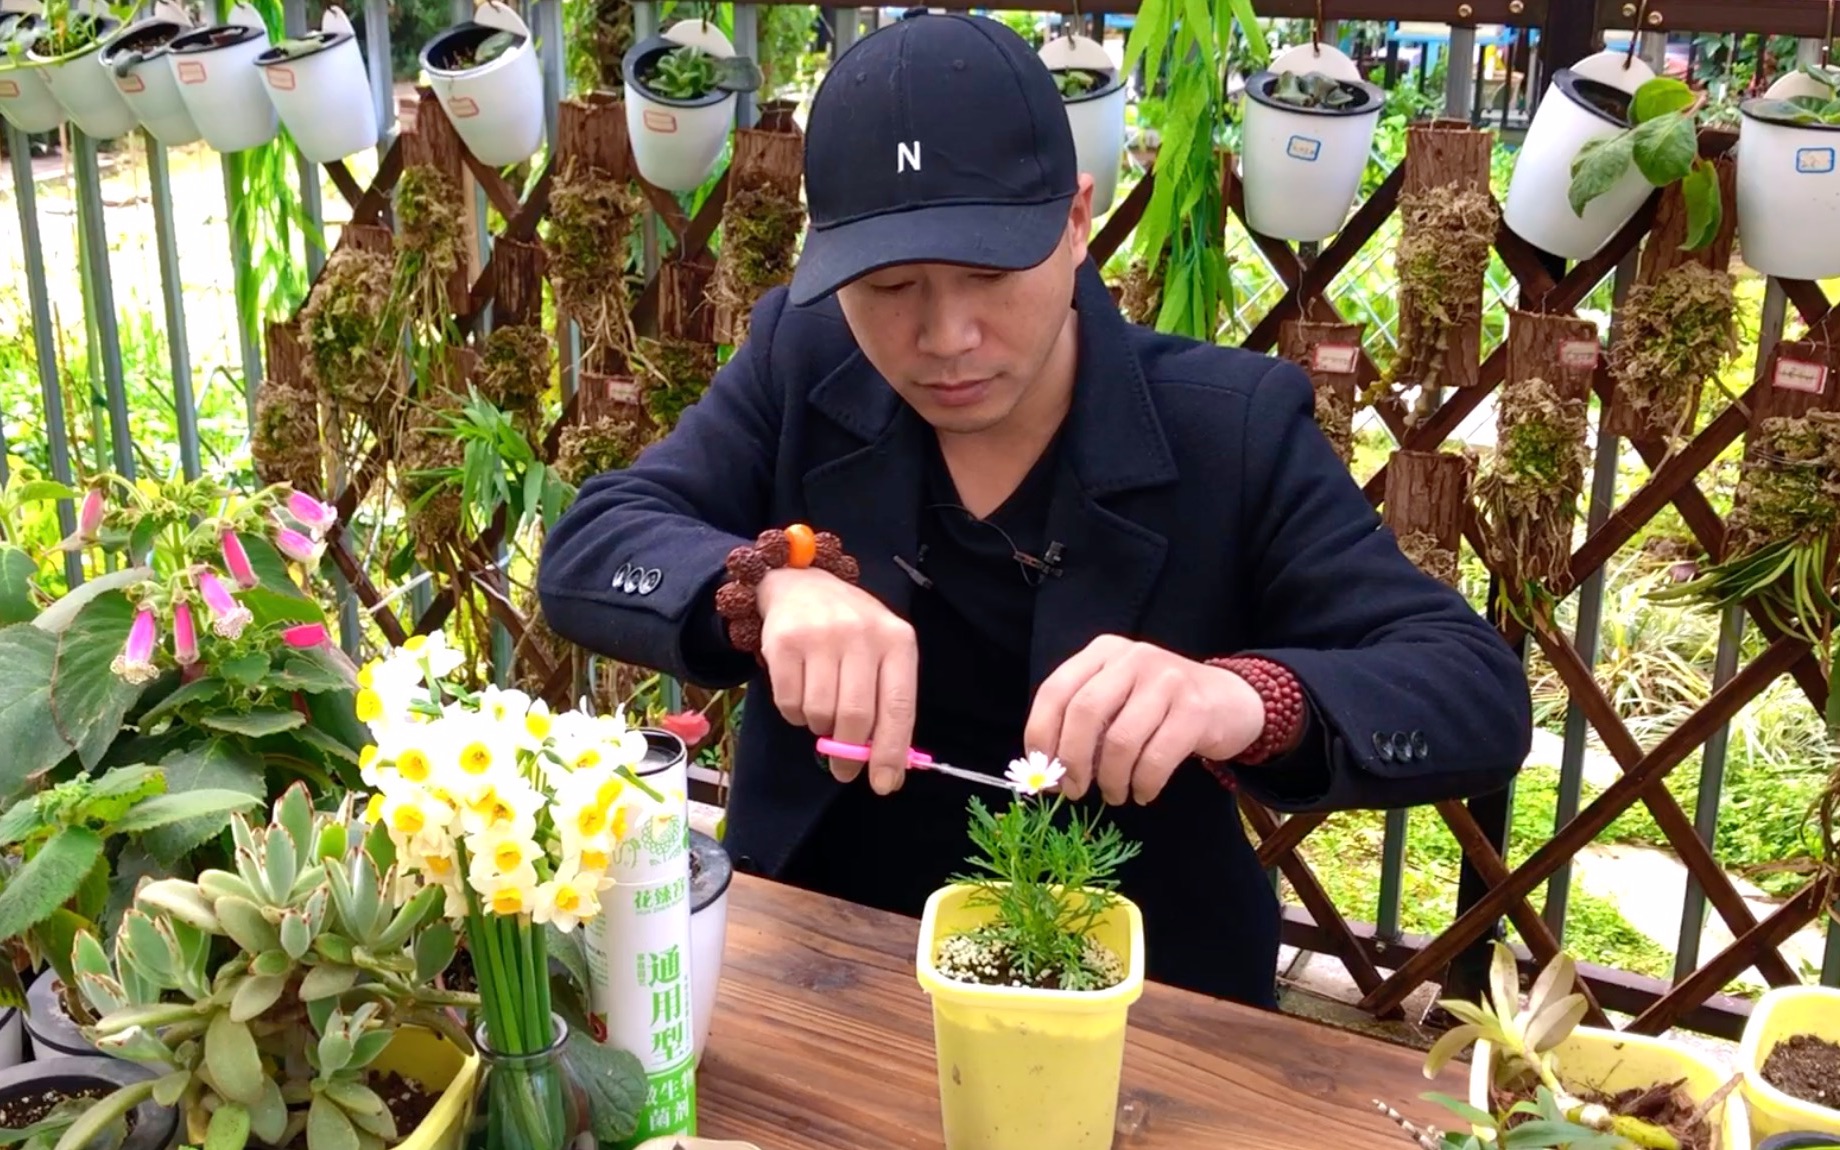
1064, 534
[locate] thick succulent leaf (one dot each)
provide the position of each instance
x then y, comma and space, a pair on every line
148, 949
296, 935
235, 1064
280, 864
218, 883
168, 1088
426, 903
366, 1049
327, 981
182, 900
272, 963
434, 950
375, 1129
257, 993
328, 1128
268, 1118
229, 1129
334, 1052
243, 921
354, 1097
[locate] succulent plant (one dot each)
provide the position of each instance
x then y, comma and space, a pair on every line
264, 994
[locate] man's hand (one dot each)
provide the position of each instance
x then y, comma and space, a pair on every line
842, 665
1127, 714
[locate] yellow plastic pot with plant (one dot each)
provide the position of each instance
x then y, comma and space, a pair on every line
1779, 1016
1032, 965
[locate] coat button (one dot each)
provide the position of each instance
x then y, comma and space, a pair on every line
1420, 748
649, 581
1402, 747
1383, 747
746, 864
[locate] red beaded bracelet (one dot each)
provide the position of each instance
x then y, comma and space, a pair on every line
1282, 695
793, 546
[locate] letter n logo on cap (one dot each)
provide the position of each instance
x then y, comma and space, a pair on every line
907, 156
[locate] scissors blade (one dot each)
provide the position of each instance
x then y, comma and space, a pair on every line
969, 775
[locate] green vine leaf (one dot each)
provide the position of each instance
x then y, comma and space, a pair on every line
16, 572
88, 699
1597, 168
33, 744
1705, 206
1660, 97
48, 879
1665, 149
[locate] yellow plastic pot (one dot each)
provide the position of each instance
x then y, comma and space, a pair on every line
436, 1063
1026, 1067
1784, 1013
1612, 1061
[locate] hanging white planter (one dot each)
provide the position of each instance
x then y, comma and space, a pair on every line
25, 98
321, 90
1588, 101
1093, 94
84, 88
677, 137
1789, 186
1301, 165
222, 88
486, 76
136, 60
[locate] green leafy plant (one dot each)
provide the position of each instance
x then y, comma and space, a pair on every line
54, 860
17, 32
1662, 142
263, 995
1543, 1127
1076, 81
487, 50
1049, 885
1312, 90
1804, 110
63, 30
499, 468
690, 73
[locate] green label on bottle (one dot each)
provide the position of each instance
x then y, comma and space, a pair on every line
670, 1103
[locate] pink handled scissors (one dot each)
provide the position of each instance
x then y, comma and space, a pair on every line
918, 760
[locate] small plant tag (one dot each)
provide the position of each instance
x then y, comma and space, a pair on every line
621, 389
1335, 358
1579, 354
1800, 375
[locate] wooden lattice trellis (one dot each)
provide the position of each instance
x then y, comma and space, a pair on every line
1302, 322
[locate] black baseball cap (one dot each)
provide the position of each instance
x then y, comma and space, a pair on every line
940, 138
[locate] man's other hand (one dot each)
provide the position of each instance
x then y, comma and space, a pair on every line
843, 666
1127, 714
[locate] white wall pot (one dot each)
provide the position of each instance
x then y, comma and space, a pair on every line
496, 107
321, 91
51, 1030
677, 143
26, 101
86, 89
221, 86
1789, 187
1583, 103
1301, 167
136, 60
711, 872
1095, 115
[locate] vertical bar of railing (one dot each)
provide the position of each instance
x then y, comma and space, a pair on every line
1459, 89
172, 292
377, 64
646, 24
294, 20
94, 236
1711, 790
548, 27
44, 338
747, 43
843, 30
240, 265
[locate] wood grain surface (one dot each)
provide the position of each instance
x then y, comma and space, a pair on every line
823, 1039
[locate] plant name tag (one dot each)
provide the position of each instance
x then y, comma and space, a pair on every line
622, 390
132, 83
1800, 375
663, 123
463, 107
1335, 358
8, 89
1579, 354
190, 72
281, 79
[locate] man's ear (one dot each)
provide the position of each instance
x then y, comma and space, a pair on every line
1080, 219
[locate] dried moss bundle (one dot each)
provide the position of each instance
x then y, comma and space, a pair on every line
427, 447
1529, 495
286, 442
1445, 238
1673, 336
1422, 548
1335, 415
1790, 488
675, 373
760, 240
514, 370
1143, 292
603, 40
591, 221
588, 449
345, 327
429, 211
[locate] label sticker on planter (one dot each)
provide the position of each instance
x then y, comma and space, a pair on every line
463, 108
657, 121
1335, 358
621, 390
1800, 375
131, 83
191, 72
8, 89
1579, 354
1814, 161
281, 78
1303, 148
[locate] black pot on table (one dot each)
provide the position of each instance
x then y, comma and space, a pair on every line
154, 1125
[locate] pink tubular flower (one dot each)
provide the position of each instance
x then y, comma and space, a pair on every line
306, 635
690, 726
89, 519
311, 513
296, 546
185, 634
135, 663
228, 617
236, 561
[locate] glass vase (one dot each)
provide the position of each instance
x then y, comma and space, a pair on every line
528, 1101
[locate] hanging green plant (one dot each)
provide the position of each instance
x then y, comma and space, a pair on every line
1671, 337
514, 374
285, 444
761, 227
351, 352
429, 231
675, 374
427, 455
1527, 499
589, 449
1446, 234
591, 221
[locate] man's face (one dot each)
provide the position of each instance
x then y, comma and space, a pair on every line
964, 346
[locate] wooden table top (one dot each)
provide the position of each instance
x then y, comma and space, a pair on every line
822, 1038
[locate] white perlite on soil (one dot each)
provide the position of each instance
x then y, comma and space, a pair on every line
967, 958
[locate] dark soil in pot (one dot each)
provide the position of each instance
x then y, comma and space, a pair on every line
1807, 1068
30, 1091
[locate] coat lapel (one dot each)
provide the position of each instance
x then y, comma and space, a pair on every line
1113, 443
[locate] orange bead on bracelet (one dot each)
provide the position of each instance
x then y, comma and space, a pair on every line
801, 546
